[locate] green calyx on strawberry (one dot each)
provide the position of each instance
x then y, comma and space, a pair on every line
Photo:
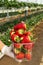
15, 38
16, 51
17, 45
28, 56
21, 25
20, 32
20, 55
23, 49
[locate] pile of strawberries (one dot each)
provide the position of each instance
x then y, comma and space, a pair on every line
22, 41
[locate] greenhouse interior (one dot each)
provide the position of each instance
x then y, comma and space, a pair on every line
21, 32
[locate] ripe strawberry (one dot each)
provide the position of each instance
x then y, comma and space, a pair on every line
25, 46
27, 33
32, 45
26, 39
20, 55
29, 46
15, 38
22, 37
20, 32
17, 45
28, 56
21, 25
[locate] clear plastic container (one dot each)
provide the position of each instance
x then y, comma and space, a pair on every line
22, 51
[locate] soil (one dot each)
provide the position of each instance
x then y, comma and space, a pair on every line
37, 52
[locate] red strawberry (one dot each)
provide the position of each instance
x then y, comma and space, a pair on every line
28, 56
26, 39
20, 32
21, 37
15, 38
17, 45
21, 25
25, 46
12, 32
20, 55
28, 33
30, 46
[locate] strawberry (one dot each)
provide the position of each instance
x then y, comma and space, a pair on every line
26, 39
32, 45
20, 55
29, 46
17, 45
25, 46
12, 32
15, 38
21, 25
27, 33
28, 56
20, 32
22, 37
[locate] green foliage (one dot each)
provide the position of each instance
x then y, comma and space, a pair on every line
5, 37
10, 14
3, 15
10, 4
31, 21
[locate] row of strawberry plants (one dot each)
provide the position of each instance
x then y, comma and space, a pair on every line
16, 4
31, 21
10, 14
17, 12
